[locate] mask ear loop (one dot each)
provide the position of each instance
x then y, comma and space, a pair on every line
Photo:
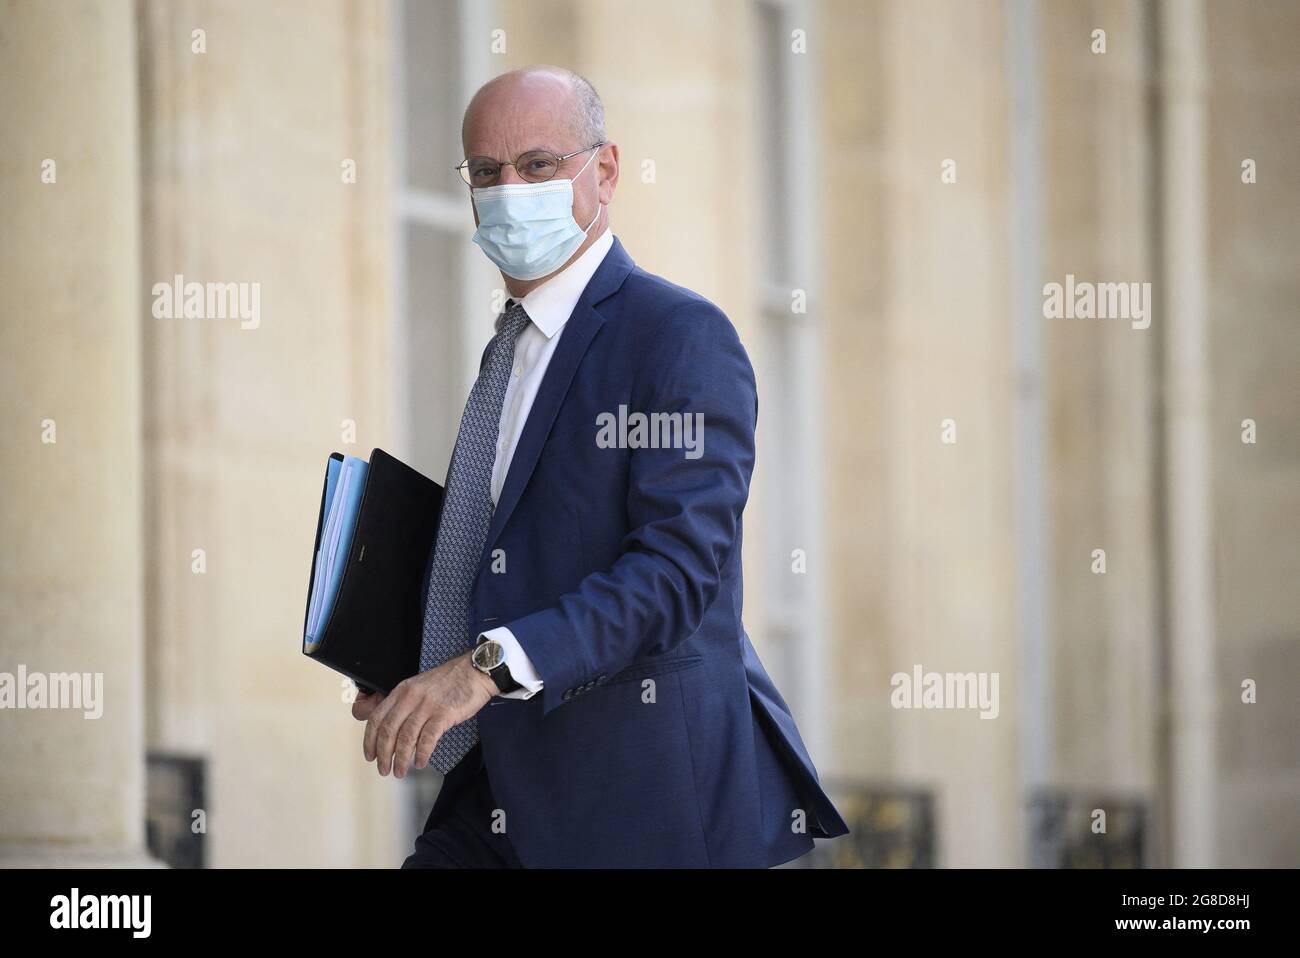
587, 164
578, 174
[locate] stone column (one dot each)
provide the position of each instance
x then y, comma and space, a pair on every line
72, 792
265, 164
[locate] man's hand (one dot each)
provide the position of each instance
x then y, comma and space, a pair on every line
404, 727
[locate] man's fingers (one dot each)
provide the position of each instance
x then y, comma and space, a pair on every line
404, 744
369, 741
429, 737
389, 725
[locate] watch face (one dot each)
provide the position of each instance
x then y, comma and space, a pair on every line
488, 655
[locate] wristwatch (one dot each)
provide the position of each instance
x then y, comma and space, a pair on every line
489, 657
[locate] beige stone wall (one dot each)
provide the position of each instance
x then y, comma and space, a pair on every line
913, 264
855, 140
1102, 429
243, 149
1254, 286
919, 330
72, 790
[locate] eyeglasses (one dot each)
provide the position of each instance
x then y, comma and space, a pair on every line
535, 166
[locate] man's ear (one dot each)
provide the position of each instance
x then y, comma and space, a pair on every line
608, 163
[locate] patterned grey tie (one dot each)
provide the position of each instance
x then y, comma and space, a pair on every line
462, 532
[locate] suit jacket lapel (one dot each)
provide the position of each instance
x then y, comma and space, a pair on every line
576, 336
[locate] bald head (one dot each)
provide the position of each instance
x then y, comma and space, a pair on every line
560, 100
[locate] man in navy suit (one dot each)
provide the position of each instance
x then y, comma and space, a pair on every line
587, 683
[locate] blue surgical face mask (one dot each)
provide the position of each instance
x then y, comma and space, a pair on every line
528, 229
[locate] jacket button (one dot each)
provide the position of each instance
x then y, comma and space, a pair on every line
602, 680
568, 694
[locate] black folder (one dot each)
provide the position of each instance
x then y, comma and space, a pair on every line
374, 629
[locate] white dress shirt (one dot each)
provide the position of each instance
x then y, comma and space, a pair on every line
549, 306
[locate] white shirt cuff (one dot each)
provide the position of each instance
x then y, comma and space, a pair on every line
517, 661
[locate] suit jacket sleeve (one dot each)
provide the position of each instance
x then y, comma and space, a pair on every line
683, 513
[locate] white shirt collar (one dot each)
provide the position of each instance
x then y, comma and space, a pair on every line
550, 305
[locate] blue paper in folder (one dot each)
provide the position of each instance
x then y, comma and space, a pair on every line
331, 482
344, 484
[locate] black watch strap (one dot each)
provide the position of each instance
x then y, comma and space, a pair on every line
504, 680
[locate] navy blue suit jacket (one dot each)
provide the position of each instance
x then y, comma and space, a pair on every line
659, 739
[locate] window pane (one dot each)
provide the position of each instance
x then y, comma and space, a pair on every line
436, 395
772, 175
432, 95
